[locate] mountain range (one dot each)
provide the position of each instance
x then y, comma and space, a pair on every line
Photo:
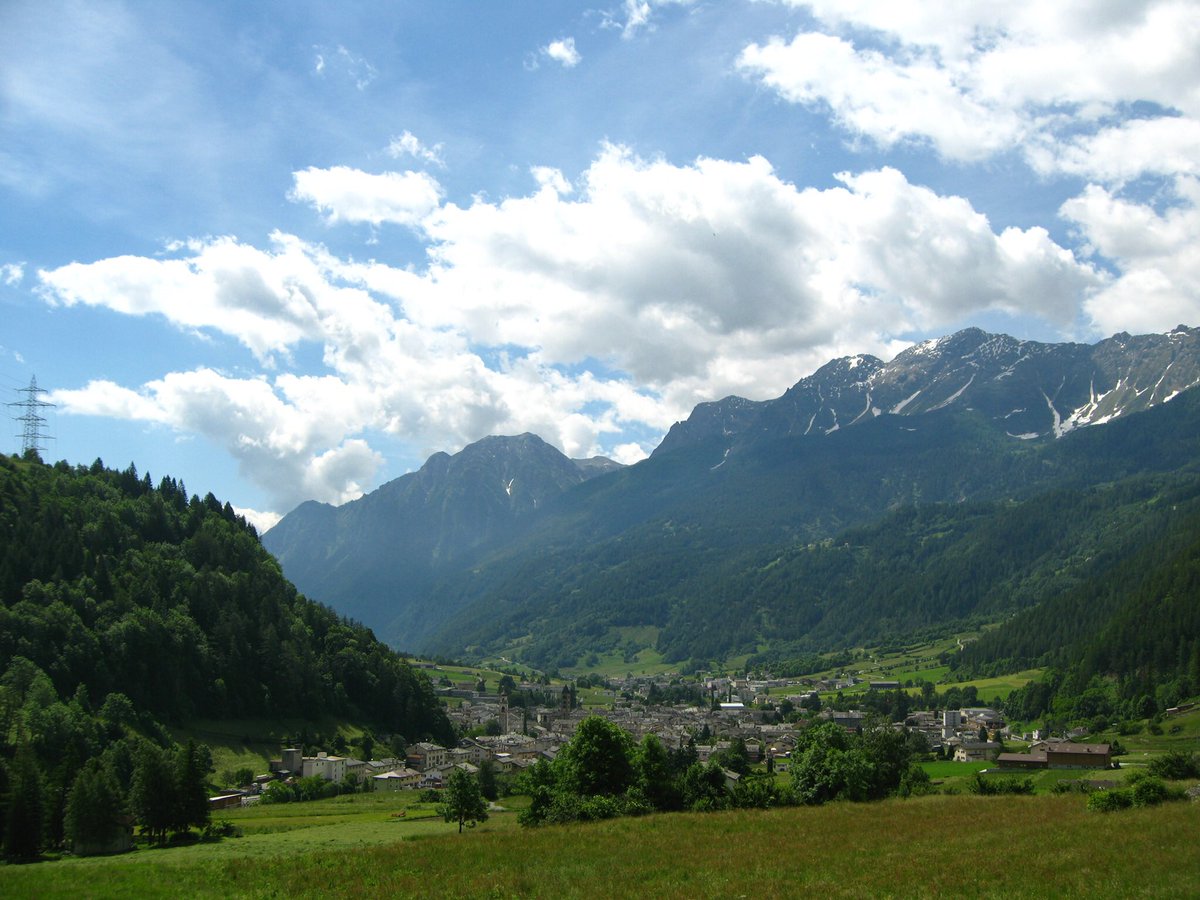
957, 481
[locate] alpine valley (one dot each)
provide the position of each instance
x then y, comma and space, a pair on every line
973, 479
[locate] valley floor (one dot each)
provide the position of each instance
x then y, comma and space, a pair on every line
940, 845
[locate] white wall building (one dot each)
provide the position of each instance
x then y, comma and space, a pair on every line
331, 768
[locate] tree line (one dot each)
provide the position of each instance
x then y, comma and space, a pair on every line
602, 773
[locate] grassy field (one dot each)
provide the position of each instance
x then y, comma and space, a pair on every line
943, 769
932, 846
1180, 732
627, 658
921, 663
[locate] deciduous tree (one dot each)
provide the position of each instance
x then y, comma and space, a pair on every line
463, 801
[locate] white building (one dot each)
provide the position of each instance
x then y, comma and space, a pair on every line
331, 768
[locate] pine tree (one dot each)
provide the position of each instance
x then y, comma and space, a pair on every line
191, 799
152, 794
94, 808
25, 820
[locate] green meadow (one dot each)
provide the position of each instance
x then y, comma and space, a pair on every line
925, 847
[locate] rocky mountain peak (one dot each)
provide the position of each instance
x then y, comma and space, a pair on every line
1029, 390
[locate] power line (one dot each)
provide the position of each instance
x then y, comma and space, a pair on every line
32, 436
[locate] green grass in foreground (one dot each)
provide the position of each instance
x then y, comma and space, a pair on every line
932, 846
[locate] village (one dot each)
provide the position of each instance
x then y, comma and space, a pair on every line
512, 738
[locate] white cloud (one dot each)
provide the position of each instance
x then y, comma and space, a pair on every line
698, 275
628, 454
890, 101
351, 195
679, 283
634, 15
288, 440
408, 144
302, 437
345, 63
974, 78
11, 274
1157, 255
942, 258
262, 521
269, 300
563, 52
1163, 146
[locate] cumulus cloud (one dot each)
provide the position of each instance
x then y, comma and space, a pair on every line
269, 300
563, 52
975, 78
665, 269
1164, 146
680, 283
351, 195
283, 436
11, 274
262, 521
891, 101
1157, 255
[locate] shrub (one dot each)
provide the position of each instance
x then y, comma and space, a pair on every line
1110, 801
1001, 785
1175, 765
1149, 792
914, 782
216, 830
1072, 787
278, 792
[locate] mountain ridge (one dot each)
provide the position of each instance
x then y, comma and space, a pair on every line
965, 366
396, 538
947, 420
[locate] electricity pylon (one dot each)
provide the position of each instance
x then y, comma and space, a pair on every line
32, 437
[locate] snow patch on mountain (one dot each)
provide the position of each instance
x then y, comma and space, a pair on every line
1057, 426
899, 407
955, 395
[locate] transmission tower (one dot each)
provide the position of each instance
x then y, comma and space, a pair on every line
32, 436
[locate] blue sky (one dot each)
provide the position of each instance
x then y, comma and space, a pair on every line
284, 251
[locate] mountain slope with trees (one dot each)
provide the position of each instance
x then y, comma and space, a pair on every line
125, 604
894, 551
117, 584
721, 539
377, 558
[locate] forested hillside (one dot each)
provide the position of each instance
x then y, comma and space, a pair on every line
731, 534
376, 558
824, 542
1123, 644
117, 584
123, 605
